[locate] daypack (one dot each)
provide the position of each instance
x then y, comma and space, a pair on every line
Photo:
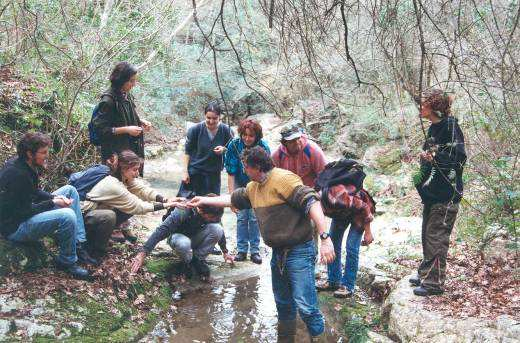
92, 134
85, 180
338, 183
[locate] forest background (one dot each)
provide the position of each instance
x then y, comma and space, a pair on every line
347, 69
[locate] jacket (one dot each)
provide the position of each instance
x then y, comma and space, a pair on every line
233, 163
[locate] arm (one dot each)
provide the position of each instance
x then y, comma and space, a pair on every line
220, 201
141, 190
326, 247
186, 163
453, 153
367, 235
231, 183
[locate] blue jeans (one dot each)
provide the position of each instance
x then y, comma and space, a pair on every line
355, 234
294, 287
65, 225
248, 234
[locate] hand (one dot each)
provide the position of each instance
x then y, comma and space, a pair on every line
219, 150
426, 156
235, 210
61, 201
134, 131
146, 125
367, 238
137, 262
327, 251
186, 177
229, 258
196, 202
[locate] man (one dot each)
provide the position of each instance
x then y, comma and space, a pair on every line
28, 213
192, 235
300, 155
284, 208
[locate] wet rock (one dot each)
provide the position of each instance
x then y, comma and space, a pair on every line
8, 304
5, 327
33, 328
408, 321
16, 257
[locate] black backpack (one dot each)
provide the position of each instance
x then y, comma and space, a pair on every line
93, 135
344, 172
85, 180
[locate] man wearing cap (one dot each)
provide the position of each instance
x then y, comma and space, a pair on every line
299, 155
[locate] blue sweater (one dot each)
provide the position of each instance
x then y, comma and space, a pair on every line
233, 163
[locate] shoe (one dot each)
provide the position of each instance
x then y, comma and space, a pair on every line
255, 258
84, 256
76, 271
343, 292
422, 292
326, 286
215, 251
129, 236
201, 267
241, 256
117, 236
415, 281
286, 331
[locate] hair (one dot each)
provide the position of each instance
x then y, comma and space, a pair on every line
257, 157
252, 125
32, 141
126, 159
122, 72
214, 107
212, 210
438, 100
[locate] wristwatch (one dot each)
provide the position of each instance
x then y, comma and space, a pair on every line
324, 235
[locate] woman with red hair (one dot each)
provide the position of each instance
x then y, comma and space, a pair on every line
248, 234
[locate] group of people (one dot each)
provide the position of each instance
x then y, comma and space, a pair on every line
272, 194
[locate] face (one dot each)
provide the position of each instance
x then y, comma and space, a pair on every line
292, 146
212, 120
253, 173
248, 137
128, 85
208, 218
39, 158
426, 111
129, 174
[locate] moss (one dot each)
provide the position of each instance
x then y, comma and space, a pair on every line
159, 266
389, 162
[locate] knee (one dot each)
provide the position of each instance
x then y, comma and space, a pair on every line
215, 230
71, 191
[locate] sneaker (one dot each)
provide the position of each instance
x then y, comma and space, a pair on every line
343, 292
422, 292
326, 286
241, 256
84, 256
415, 281
76, 271
255, 258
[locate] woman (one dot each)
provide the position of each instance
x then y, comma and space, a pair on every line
124, 194
117, 122
440, 186
248, 234
204, 149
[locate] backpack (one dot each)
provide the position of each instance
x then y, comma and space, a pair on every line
337, 181
85, 180
92, 133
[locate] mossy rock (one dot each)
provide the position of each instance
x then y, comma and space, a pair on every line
16, 257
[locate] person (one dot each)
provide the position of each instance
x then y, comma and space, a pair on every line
440, 187
299, 154
248, 234
124, 194
27, 213
117, 123
205, 145
192, 234
358, 214
284, 208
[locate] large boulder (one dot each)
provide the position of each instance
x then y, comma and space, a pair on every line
22, 257
409, 321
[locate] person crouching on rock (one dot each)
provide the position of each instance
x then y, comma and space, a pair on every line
192, 234
28, 213
439, 184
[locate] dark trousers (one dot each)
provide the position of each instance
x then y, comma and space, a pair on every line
438, 221
202, 184
99, 225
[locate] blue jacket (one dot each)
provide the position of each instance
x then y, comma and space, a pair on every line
232, 161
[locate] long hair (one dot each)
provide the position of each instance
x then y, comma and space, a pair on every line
126, 159
122, 73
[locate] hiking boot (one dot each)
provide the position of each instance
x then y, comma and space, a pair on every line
201, 267
76, 271
422, 292
129, 236
241, 256
117, 236
286, 331
343, 292
415, 281
255, 258
84, 256
326, 286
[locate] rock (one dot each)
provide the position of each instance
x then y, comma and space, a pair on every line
408, 321
38, 311
153, 151
385, 159
33, 328
5, 327
374, 337
76, 326
15, 257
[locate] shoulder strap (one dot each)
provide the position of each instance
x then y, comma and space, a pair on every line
307, 150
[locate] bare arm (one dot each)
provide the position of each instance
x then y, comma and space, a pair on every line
230, 183
186, 175
326, 248
220, 201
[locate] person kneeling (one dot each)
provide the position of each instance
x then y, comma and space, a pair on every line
192, 234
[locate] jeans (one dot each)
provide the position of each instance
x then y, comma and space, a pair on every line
355, 234
65, 225
248, 234
294, 286
199, 245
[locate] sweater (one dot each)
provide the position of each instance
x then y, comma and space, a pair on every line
132, 198
281, 204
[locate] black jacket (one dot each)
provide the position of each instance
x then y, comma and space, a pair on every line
20, 197
441, 180
115, 110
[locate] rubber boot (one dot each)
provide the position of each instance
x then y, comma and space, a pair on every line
286, 331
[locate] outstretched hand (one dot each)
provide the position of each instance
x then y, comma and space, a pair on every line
327, 254
137, 262
196, 202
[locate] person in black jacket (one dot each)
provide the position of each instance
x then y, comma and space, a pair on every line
28, 213
440, 186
